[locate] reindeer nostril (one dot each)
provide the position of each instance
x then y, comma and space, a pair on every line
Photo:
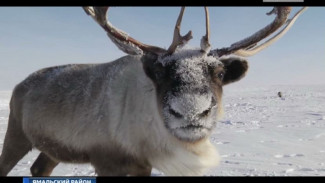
174, 113
205, 113
213, 102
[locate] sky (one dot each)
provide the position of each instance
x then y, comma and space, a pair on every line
32, 38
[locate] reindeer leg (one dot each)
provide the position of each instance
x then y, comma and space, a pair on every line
43, 165
122, 170
15, 147
141, 170
117, 163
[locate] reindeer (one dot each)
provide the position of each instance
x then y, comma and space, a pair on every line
154, 108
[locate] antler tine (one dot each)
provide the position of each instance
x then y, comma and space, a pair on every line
205, 44
124, 42
242, 47
178, 39
98, 14
252, 51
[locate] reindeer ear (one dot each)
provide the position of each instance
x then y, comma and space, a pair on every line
235, 69
152, 67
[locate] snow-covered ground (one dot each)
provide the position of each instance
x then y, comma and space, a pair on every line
260, 134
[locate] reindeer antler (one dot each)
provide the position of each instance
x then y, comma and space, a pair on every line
178, 39
130, 45
205, 44
126, 43
248, 46
245, 47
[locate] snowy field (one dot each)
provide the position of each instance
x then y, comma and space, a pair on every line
260, 134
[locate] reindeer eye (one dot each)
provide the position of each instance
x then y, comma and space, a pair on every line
221, 75
159, 74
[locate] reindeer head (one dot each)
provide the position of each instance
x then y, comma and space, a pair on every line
189, 81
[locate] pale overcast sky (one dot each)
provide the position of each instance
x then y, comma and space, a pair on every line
32, 38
